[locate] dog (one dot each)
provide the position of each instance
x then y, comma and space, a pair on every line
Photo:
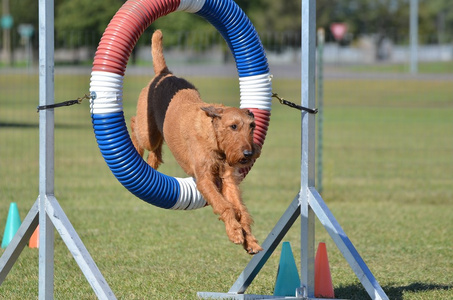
211, 142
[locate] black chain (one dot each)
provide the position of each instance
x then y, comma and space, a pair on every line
65, 103
294, 105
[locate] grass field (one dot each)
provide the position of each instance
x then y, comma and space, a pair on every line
444, 67
388, 179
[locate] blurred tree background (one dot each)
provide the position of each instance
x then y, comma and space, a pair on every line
83, 21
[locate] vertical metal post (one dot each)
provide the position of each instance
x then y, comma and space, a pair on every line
320, 100
46, 147
308, 61
413, 35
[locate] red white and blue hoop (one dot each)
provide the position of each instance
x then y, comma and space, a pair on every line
106, 89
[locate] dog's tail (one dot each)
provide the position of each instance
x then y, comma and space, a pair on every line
160, 66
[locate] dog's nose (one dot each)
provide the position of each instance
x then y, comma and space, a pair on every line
247, 153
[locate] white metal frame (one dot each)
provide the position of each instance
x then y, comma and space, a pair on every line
49, 215
308, 202
46, 211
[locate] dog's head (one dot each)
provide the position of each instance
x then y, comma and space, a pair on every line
234, 130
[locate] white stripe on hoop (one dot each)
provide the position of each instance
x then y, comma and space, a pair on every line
256, 91
191, 6
189, 197
106, 90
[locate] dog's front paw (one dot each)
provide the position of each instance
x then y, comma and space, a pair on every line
252, 247
236, 236
233, 228
254, 250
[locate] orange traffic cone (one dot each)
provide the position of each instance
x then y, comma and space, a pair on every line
34, 239
323, 278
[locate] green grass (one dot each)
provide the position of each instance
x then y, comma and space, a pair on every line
388, 178
423, 68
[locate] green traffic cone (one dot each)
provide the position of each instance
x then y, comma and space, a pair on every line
12, 224
287, 275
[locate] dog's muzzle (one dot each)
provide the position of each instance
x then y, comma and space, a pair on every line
247, 156
247, 153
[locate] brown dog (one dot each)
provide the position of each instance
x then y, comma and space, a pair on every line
210, 142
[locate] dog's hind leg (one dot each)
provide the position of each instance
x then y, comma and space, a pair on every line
150, 140
155, 154
135, 142
154, 141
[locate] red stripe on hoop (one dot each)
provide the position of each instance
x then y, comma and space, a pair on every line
262, 118
125, 29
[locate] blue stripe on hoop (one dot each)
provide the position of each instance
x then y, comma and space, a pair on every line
128, 167
237, 30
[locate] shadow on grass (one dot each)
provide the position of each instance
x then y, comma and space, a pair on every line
18, 125
357, 291
33, 125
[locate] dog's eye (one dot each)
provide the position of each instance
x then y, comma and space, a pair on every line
234, 126
252, 125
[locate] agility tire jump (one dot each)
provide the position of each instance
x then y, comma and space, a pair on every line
106, 89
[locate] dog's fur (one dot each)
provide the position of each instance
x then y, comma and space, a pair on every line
210, 142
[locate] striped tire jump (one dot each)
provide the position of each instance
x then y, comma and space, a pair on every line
106, 88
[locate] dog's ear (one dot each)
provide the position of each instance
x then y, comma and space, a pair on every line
212, 111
